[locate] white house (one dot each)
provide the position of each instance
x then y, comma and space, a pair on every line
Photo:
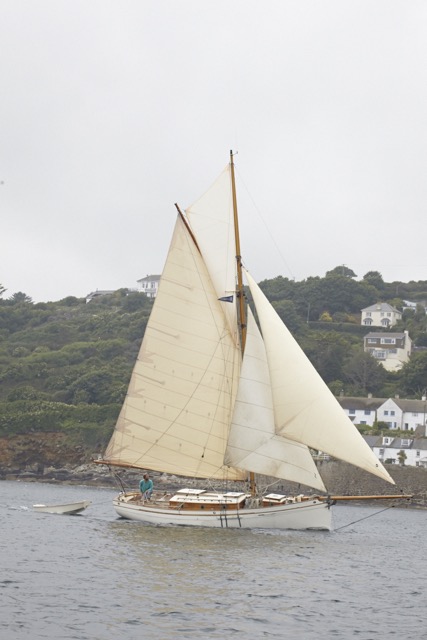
149, 285
361, 410
410, 451
403, 414
391, 350
381, 314
407, 415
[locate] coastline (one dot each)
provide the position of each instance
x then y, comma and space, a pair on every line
339, 477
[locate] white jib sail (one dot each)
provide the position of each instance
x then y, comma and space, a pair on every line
177, 412
305, 409
253, 443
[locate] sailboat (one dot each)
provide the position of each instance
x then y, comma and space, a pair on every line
217, 397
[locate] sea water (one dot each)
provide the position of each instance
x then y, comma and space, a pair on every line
95, 576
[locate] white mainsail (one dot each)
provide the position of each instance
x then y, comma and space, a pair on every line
253, 443
305, 409
177, 413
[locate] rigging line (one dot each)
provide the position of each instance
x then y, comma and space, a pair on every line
365, 518
271, 236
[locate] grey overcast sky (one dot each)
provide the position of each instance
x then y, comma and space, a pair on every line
112, 111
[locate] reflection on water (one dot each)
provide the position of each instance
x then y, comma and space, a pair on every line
96, 576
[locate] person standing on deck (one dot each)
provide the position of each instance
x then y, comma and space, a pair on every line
146, 487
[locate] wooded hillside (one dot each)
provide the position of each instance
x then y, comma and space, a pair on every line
65, 366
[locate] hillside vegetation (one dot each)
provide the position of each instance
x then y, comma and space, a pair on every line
65, 366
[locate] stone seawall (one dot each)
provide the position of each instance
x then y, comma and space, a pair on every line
344, 479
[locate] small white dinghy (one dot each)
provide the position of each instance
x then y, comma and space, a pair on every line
63, 509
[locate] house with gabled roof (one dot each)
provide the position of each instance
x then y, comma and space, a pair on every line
397, 413
380, 314
412, 452
404, 414
391, 350
361, 410
149, 285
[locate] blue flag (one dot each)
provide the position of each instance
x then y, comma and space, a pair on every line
226, 299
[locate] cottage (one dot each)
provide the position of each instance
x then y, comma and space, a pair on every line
361, 410
149, 285
397, 413
381, 314
391, 350
411, 452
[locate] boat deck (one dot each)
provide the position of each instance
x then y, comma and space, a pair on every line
200, 499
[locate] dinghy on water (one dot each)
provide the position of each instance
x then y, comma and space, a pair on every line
64, 509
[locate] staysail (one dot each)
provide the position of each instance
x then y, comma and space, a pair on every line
305, 409
253, 443
177, 412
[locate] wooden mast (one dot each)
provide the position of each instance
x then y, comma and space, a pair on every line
239, 288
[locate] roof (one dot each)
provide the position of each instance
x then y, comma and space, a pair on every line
382, 306
149, 279
100, 292
397, 443
373, 441
416, 406
360, 403
406, 405
384, 334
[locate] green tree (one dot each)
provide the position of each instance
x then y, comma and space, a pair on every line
19, 296
288, 314
326, 351
364, 373
335, 293
401, 456
413, 374
341, 270
375, 279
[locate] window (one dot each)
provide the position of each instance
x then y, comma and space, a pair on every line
382, 451
386, 413
418, 454
372, 340
388, 340
352, 411
367, 412
379, 355
392, 413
